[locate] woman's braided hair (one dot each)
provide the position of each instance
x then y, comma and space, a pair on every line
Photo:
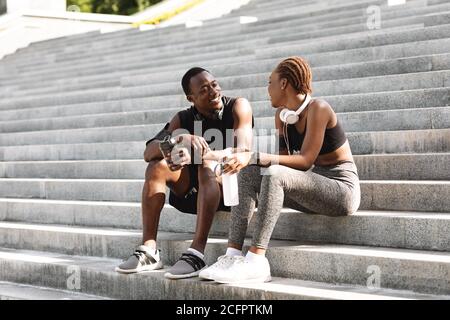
297, 72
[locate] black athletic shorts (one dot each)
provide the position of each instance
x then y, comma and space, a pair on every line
188, 203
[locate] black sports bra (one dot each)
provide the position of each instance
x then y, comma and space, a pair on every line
334, 138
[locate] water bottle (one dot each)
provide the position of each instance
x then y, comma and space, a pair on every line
230, 187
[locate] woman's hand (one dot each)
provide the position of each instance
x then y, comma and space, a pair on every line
236, 162
216, 155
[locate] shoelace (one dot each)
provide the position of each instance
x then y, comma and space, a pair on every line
196, 262
240, 260
143, 258
138, 253
222, 260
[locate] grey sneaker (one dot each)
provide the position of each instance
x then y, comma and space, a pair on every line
143, 259
189, 265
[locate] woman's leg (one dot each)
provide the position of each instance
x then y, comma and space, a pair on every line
309, 190
317, 193
249, 182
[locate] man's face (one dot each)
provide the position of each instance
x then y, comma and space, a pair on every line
206, 93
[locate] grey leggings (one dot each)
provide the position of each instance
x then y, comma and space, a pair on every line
330, 190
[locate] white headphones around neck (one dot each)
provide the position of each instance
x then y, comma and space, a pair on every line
291, 117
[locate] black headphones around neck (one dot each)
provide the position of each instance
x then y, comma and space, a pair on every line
199, 117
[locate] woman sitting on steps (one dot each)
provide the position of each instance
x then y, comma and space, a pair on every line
314, 172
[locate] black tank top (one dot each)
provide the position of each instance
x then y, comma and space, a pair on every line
190, 118
334, 138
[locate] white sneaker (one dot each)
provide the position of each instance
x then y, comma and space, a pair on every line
223, 263
243, 271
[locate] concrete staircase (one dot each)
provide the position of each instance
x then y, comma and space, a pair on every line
75, 113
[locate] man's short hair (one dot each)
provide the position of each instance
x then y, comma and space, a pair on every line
186, 81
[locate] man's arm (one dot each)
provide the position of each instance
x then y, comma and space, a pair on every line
243, 125
242, 131
243, 134
152, 151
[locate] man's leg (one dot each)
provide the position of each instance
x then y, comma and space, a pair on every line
191, 263
158, 177
208, 199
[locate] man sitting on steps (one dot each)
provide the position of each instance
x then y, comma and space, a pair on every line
194, 187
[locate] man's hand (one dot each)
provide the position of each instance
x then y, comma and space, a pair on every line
236, 162
178, 158
199, 144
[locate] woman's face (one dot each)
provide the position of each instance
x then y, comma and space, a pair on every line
276, 94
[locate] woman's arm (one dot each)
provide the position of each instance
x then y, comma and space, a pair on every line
319, 115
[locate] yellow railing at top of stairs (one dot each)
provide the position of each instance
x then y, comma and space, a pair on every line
169, 14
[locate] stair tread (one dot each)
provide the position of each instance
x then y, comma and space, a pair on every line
340, 249
385, 213
17, 291
294, 287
